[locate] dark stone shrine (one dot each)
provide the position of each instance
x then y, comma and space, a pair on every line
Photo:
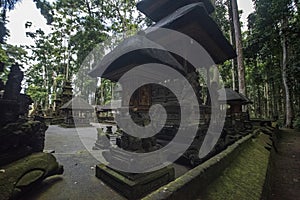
188, 17
238, 118
77, 113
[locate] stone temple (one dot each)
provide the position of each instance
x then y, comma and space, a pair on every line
191, 18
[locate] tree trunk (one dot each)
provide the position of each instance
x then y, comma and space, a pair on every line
268, 106
288, 107
232, 41
259, 102
265, 102
274, 99
233, 68
239, 47
280, 101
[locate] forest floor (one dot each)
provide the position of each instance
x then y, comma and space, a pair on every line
285, 183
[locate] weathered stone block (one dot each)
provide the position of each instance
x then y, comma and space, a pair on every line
134, 186
21, 139
23, 174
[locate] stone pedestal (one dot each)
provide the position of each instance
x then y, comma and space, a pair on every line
118, 157
102, 140
135, 186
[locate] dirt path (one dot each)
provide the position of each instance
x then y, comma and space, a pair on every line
286, 173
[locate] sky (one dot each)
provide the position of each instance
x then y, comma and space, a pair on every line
27, 11
23, 12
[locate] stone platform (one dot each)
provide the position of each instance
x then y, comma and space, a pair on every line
135, 186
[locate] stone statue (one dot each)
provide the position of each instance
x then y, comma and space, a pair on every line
13, 85
22, 161
20, 176
9, 104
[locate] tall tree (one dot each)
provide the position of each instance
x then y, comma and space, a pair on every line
272, 46
78, 26
239, 47
283, 35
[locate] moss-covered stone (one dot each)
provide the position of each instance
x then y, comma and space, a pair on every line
21, 175
238, 172
21, 139
245, 177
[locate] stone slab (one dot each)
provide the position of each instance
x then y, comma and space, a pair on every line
134, 186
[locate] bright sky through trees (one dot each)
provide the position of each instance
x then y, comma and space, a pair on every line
27, 11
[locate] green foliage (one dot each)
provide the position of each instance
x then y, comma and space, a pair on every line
15, 54
225, 72
77, 28
280, 121
263, 53
220, 16
10, 54
3, 55
296, 123
46, 10
37, 93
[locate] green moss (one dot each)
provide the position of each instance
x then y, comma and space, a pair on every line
244, 178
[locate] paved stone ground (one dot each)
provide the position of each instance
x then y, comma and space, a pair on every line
78, 181
286, 173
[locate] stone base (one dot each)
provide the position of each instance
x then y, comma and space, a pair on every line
57, 121
119, 157
135, 186
75, 125
101, 145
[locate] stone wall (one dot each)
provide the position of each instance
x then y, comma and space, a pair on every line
198, 182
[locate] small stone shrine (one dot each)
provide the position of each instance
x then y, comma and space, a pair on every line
237, 118
56, 107
67, 92
190, 17
105, 114
76, 113
61, 99
22, 161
